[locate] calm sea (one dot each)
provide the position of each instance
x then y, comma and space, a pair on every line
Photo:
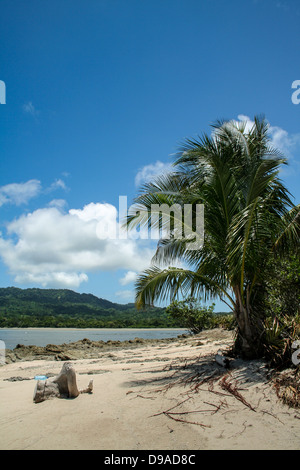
44, 336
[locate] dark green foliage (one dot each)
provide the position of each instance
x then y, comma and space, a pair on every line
283, 286
196, 317
281, 303
58, 308
223, 320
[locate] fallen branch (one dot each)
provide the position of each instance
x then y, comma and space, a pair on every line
169, 415
271, 414
172, 408
146, 398
234, 391
218, 407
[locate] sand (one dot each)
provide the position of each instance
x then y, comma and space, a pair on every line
162, 396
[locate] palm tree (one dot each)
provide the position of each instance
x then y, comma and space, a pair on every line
249, 217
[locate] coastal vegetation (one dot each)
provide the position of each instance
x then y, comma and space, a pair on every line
197, 317
251, 232
63, 308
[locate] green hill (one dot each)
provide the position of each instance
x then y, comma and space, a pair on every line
66, 308
59, 297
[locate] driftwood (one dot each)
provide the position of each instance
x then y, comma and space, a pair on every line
64, 385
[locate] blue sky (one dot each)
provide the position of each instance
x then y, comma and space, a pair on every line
100, 94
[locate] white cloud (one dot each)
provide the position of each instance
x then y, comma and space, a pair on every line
28, 108
57, 184
149, 172
284, 141
52, 248
125, 295
96, 211
55, 279
19, 193
129, 277
59, 203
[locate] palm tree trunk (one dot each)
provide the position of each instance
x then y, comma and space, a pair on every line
248, 339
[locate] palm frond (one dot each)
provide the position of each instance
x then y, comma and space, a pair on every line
288, 237
157, 284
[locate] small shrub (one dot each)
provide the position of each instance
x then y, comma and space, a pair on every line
280, 334
225, 321
191, 314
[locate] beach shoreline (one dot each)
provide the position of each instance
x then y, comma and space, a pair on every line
44, 336
169, 395
80, 349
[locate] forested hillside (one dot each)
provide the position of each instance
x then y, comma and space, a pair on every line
66, 308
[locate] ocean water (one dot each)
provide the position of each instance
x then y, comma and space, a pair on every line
44, 336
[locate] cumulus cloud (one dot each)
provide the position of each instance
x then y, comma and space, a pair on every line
284, 141
149, 172
54, 279
129, 277
52, 248
19, 193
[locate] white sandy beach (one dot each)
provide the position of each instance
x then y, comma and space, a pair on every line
167, 396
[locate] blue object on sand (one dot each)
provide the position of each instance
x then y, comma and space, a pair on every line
40, 377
